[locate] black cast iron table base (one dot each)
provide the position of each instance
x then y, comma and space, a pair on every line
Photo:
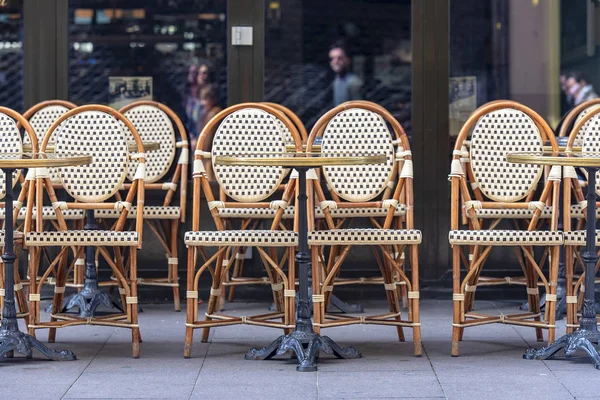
11, 339
305, 344
90, 297
587, 336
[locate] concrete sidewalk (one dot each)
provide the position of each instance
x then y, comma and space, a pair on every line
491, 365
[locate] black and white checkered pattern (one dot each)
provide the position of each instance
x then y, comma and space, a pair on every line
150, 212
591, 141
364, 236
355, 132
48, 214
153, 125
505, 237
258, 213
366, 212
496, 134
43, 119
254, 131
260, 238
100, 135
579, 136
577, 238
82, 238
10, 142
578, 212
511, 213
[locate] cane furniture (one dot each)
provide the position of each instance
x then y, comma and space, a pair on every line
498, 128
236, 130
99, 131
375, 193
166, 172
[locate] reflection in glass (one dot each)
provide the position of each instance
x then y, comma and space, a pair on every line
163, 44
321, 53
11, 55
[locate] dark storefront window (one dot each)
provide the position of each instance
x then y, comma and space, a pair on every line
374, 34
11, 55
116, 46
522, 50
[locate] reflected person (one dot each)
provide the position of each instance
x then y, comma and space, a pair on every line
346, 85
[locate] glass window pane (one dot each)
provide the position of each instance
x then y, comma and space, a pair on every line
11, 55
543, 54
305, 72
167, 41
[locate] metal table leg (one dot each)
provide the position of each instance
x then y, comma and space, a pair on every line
303, 341
587, 335
11, 338
90, 297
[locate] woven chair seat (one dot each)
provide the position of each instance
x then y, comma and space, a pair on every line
506, 237
511, 213
260, 238
48, 214
578, 212
364, 236
258, 213
374, 212
82, 238
150, 212
577, 238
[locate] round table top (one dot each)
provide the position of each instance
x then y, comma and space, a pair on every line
293, 160
42, 160
573, 159
131, 147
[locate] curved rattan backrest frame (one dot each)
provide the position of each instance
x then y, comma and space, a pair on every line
42, 115
403, 166
574, 115
11, 142
460, 192
102, 179
498, 128
204, 149
586, 132
295, 120
353, 128
248, 130
163, 128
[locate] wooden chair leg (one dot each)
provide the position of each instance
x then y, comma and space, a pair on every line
457, 304
133, 307
173, 268
213, 299
414, 302
191, 301
58, 293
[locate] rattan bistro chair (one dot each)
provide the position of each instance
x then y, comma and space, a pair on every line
97, 131
11, 142
166, 171
248, 215
585, 133
360, 127
346, 215
241, 129
499, 128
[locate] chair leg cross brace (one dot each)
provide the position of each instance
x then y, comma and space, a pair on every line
587, 336
304, 342
11, 339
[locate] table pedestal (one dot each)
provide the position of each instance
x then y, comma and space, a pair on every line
91, 296
11, 339
303, 341
587, 335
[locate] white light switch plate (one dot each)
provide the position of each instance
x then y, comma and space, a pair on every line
241, 35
